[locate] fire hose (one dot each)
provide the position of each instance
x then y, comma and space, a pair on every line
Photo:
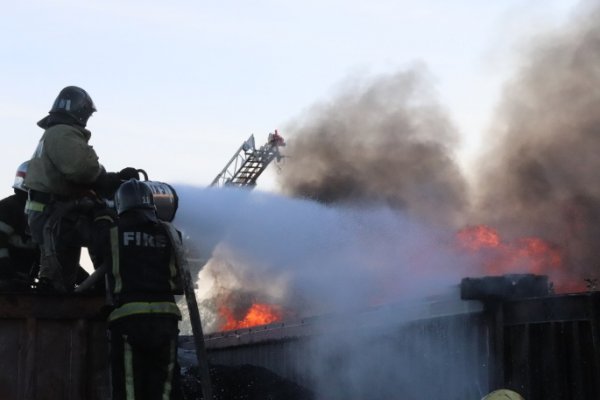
190, 296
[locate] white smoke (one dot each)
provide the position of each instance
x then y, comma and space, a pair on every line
310, 258
314, 259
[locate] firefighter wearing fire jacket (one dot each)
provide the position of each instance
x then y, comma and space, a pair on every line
135, 250
18, 253
62, 172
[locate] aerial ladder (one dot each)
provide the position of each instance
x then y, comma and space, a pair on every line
248, 162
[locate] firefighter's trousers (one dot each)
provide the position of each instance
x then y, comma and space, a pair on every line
60, 259
143, 353
60, 229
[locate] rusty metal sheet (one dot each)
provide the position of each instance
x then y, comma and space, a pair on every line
53, 347
51, 306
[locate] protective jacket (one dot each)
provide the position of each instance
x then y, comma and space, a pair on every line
18, 253
63, 163
142, 274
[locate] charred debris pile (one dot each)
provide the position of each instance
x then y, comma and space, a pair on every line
245, 382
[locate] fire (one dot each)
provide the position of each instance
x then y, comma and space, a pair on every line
477, 237
257, 314
526, 255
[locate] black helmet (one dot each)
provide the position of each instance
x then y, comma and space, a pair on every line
74, 102
134, 194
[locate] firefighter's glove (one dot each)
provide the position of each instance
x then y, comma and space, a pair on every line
106, 184
129, 173
85, 204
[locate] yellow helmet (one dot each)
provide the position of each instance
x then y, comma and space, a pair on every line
503, 394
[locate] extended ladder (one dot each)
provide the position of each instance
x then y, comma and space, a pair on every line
248, 162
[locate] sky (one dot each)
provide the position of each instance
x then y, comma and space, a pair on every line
179, 85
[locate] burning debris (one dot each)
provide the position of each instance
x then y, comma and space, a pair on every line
237, 298
256, 314
246, 382
523, 255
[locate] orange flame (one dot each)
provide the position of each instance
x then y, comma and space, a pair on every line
477, 237
257, 314
526, 255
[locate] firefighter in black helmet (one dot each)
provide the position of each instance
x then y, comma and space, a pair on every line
64, 168
73, 106
18, 253
135, 250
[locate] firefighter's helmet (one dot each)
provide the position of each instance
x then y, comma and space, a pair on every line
74, 102
503, 394
19, 183
134, 194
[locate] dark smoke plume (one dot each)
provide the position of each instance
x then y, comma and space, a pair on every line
541, 172
380, 141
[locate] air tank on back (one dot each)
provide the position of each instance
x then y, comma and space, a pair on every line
165, 199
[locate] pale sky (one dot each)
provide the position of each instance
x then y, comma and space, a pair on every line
180, 84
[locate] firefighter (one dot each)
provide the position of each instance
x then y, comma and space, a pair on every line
63, 170
135, 250
275, 139
503, 394
18, 253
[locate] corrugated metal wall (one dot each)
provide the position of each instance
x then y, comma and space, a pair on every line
544, 348
384, 356
551, 347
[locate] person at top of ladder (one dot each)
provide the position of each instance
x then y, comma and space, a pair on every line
275, 139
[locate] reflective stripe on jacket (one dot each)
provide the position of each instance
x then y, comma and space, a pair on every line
136, 308
36, 206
